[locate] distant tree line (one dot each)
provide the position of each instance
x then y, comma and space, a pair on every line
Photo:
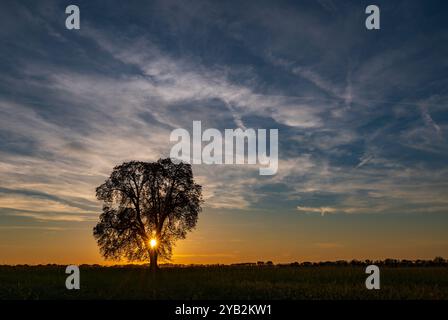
437, 261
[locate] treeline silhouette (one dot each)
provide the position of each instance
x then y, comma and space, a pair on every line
437, 261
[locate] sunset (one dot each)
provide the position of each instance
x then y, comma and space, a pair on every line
241, 134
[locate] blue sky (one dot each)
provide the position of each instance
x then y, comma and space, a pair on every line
362, 118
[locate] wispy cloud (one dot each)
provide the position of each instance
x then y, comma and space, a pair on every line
322, 210
65, 125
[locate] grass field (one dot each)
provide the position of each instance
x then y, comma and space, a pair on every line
317, 282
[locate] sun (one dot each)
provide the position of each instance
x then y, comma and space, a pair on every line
153, 243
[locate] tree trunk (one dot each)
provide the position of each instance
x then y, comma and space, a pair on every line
153, 260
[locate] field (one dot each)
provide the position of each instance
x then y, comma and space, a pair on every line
223, 282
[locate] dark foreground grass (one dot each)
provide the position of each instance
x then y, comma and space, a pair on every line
319, 282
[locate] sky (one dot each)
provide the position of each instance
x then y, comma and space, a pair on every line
362, 118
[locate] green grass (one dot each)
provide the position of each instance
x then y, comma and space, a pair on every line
318, 282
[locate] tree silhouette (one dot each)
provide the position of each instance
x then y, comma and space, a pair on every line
144, 201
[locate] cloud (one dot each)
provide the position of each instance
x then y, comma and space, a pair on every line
50, 213
428, 119
322, 210
364, 160
328, 5
72, 110
74, 202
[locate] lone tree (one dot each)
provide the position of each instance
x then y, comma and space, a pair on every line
146, 208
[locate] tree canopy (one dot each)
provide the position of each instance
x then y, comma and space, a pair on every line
144, 201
